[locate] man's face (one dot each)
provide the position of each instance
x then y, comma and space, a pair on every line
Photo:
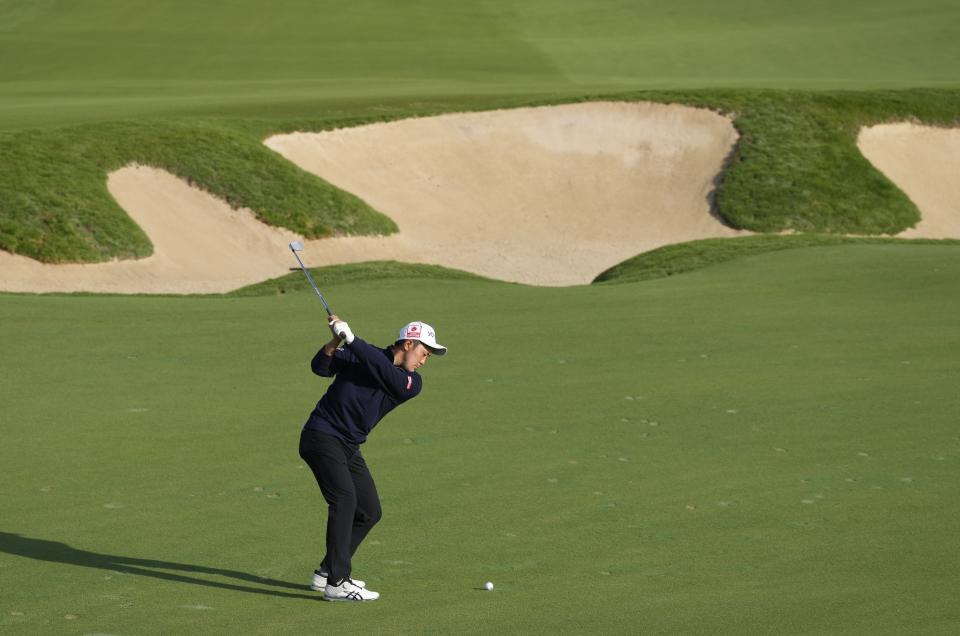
414, 355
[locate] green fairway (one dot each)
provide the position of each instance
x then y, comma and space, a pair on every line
763, 446
96, 60
756, 435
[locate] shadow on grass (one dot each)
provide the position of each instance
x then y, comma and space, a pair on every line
56, 552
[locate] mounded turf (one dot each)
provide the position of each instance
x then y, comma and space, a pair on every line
796, 167
89, 87
762, 446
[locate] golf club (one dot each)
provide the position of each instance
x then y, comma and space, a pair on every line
295, 247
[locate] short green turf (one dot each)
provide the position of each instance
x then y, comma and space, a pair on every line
100, 60
767, 445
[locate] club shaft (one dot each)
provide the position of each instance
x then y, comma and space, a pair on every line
313, 284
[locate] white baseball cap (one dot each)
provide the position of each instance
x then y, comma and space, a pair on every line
424, 333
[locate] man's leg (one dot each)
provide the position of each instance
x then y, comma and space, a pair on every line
328, 459
368, 511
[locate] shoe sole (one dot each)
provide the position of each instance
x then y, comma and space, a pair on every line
349, 600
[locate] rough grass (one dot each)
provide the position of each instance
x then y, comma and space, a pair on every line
55, 207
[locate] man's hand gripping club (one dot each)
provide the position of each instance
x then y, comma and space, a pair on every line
340, 329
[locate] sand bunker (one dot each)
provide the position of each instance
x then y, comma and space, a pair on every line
546, 196
923, 161
200, 244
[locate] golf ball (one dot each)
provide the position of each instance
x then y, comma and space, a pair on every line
489, 585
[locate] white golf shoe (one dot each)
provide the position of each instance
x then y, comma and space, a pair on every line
348, 591
319, 582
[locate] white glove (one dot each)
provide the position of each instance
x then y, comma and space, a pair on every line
342, 330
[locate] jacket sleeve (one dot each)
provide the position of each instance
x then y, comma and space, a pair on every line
402, 385
327, 366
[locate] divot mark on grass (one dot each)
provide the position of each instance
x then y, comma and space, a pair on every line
113, 505
862, 454
138, 410
552, 480
907, 480
807, 501
196, 607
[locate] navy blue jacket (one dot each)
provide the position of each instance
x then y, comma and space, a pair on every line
367, 387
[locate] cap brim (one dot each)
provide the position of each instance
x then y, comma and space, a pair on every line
437, 350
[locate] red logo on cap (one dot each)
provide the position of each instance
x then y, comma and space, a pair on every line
413, 330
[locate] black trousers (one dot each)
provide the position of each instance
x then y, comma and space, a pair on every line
351, 495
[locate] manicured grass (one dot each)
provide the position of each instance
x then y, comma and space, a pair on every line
101, 60
764, 446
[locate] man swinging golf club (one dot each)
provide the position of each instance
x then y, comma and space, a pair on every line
369, 383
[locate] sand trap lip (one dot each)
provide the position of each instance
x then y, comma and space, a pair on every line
923, 161
545, 196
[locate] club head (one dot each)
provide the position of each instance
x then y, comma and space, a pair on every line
296, 246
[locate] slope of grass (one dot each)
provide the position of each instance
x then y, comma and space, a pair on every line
671, 260
353, 273
764, 446
54, 204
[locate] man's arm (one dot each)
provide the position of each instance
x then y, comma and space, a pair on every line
323, 364
401, 384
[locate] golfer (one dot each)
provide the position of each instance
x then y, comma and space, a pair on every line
369, 383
